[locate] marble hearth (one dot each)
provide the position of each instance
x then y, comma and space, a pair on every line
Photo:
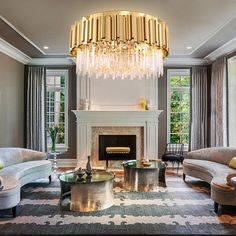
91, 124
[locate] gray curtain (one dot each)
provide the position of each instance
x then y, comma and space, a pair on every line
218, 79
35, 123
199, 108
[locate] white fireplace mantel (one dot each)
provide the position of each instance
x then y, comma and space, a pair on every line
88, 119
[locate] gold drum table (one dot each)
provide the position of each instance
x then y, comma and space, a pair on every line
144, 177
89, 192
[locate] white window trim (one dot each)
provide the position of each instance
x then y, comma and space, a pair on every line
62, 72
171, 72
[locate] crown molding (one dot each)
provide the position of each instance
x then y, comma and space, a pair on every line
223, 50
13, 52
16, 54
182, 61
212, 34
51, 61
21, 34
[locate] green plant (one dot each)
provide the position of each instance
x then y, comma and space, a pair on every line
53, 131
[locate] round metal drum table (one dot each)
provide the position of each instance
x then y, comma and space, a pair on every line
144, 177
88, 192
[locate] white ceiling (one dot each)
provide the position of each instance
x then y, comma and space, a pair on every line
205, 25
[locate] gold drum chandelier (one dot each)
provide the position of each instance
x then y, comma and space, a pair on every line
119, 44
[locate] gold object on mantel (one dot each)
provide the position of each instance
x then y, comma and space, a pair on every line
119, 44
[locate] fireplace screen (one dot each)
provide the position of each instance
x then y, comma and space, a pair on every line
117, 147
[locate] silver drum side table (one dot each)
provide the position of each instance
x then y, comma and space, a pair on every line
144, 178
89, 192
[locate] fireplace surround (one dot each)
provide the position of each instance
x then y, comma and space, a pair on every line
91, 124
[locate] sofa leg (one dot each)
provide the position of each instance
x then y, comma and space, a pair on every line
216, 207
14, 211
50, 178
184, 175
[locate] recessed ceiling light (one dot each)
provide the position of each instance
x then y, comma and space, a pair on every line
45, 47
189, 47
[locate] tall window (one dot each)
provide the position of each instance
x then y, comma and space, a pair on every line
56, 106
178, 97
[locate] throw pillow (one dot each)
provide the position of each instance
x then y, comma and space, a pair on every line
232, 163
1, 165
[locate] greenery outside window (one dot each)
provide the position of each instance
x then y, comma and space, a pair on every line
178, 106
56, 106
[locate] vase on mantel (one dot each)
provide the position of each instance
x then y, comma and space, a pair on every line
88, 167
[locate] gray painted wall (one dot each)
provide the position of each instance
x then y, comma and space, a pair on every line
11, 102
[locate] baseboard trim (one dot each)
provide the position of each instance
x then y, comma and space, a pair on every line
75, 162
66, 162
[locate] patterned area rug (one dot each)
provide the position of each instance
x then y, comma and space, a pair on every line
180, 209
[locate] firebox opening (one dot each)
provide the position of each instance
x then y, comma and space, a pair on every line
117, 147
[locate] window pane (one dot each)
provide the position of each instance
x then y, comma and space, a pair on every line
175, 106
185, 117
185, 81
175, 127
174, 138
186, 96
185, 138
184, 128
185, 106
175, 117
62, 118
50, 81
176, 96
175, 81
62, 81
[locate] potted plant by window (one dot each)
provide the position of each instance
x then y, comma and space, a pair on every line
53, 132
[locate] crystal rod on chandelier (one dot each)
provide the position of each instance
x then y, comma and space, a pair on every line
119, 44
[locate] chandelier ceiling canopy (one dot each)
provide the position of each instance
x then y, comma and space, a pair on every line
119, 44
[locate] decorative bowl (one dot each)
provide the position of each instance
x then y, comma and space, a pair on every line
146, 164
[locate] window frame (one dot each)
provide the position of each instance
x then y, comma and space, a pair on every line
65, 73
176, 72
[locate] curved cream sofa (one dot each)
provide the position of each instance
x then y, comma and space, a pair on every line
212, 166
22, 166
